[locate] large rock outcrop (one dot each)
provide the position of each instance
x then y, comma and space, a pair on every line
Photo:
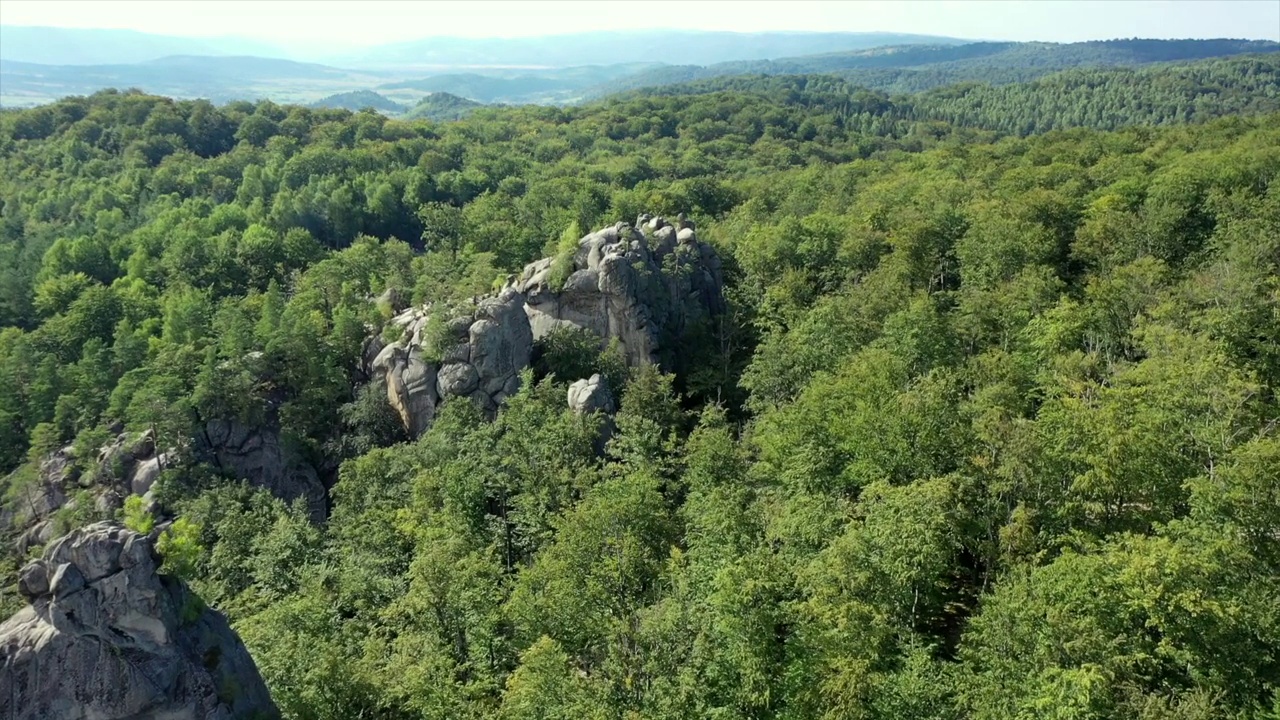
643, 285
128, 463
476, 352
257, 455
105, 636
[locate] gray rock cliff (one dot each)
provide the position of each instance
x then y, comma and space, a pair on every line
257, 455
127, 464
475, 352
642, 285
105, 636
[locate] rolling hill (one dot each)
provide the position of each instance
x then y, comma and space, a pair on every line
359, 100
516, 86
1097, 97
914, 68
442, 106
663, 46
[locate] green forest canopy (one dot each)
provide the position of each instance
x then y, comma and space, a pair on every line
989, 431
913, 68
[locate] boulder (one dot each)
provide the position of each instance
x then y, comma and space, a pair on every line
105, 636
590, 395
664, 241
35, 536
393, 299
144, 475
33, 580
58, 468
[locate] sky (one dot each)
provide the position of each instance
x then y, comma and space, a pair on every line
347, 23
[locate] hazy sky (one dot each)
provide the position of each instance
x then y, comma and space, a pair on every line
342, 22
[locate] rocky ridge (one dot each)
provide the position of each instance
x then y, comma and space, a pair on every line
641, 284
475, 352
130, 463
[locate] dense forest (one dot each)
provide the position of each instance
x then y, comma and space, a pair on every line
914, 68
1103, 98
988, 429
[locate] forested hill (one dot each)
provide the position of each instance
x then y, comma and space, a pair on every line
359, 100
442, 106
1105, 98
618, 63
984, 426
912, 68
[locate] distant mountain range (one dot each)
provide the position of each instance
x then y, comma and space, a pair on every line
77, 46
392, 78
220, 79
64, 46
615, 47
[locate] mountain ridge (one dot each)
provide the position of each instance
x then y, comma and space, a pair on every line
997, 62
891, 68
110, 46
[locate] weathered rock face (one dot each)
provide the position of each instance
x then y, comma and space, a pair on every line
478, 352
256, 454
642, 286
105, 636
128, 463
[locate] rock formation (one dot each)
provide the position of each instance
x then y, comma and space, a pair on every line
643, 285
105, 636
130, 464
591, 395
256, 454
476, 352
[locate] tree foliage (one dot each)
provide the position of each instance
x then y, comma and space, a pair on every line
988, 432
